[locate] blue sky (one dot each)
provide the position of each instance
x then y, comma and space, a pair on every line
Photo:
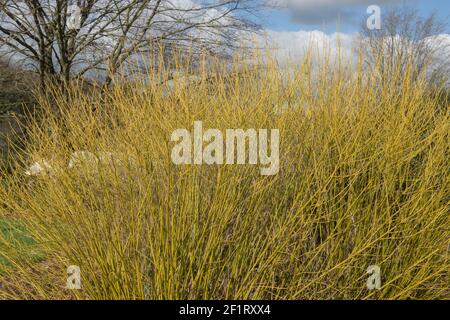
324, 17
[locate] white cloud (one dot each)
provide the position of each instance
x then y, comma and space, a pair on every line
292, 45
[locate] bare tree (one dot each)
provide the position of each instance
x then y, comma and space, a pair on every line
404, 40
63, 39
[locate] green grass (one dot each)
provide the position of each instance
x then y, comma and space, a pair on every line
17, 244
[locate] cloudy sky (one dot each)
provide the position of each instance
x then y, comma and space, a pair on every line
322, 15
292, 28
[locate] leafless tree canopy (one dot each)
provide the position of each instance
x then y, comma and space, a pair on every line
107, 33
405, 38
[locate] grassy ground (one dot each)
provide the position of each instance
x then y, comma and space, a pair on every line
363, 181
16, 244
